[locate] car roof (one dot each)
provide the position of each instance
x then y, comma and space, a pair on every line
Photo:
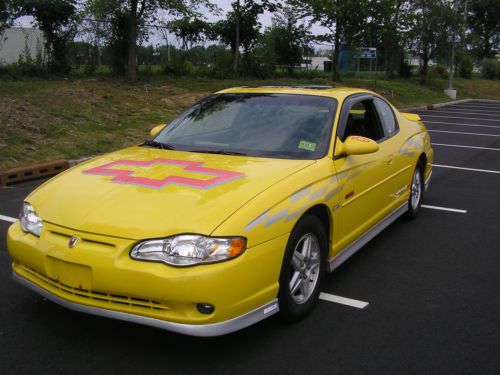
339, 93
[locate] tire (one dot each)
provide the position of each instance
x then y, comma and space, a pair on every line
302, 272
416, 193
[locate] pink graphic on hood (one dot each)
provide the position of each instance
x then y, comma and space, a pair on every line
126, 176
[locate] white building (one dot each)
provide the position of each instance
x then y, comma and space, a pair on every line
19, 41
315, 63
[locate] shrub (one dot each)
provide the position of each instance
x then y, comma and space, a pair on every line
404, 70
440, 71
489, 68
465, 67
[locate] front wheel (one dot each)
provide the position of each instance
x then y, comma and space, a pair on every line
416, 193
303, 268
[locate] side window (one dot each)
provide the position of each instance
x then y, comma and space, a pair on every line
386, 117
362, 120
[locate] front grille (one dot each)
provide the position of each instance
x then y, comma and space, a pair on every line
84, 239
113, 299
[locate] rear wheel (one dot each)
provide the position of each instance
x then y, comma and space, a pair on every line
416, 193
303, 268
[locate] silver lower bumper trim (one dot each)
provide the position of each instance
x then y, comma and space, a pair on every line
206, 330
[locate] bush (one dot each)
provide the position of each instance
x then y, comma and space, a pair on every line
465, 67
440, 71
490, 68
404, 70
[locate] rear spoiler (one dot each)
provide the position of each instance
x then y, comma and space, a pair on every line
411, 116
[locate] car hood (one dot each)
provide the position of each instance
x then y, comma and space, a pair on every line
141, 193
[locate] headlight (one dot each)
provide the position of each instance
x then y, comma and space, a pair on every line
29, 220
189, 249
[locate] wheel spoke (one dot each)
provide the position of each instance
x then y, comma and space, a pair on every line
306, 247
314, 268
295, 283
303, 288
297, 261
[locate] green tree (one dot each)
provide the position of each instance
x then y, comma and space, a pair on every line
434, 24
288, 38
190, 30
344, 19
138, 13
57, 19
6, 14
484, 24
386, 29
241, 26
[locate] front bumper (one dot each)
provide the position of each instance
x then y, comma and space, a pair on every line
206, 330
99, 277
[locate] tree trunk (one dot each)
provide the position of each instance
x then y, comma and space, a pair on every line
237, 39
132, 42
425, 67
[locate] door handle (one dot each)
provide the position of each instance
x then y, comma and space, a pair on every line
390, 159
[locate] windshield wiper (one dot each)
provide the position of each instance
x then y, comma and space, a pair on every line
219, 152
163, 146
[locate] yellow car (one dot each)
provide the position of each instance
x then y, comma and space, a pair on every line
231, 213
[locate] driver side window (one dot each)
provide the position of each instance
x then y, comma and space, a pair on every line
362, 120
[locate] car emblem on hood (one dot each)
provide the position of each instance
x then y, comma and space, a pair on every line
73, 241
125, 176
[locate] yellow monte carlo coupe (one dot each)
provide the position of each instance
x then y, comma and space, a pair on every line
231, 213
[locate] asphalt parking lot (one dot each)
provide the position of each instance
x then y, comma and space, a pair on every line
432, 288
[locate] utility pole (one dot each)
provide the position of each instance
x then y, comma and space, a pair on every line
237, 38
451, 92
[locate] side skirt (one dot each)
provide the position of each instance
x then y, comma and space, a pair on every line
345, 254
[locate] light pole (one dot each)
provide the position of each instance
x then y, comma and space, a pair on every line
451, 92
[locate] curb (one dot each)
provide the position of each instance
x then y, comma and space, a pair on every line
32, 172
39, 170
432, 106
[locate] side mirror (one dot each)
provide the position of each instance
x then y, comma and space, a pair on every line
156, 129
356, 145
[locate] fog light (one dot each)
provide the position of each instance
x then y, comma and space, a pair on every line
205, 308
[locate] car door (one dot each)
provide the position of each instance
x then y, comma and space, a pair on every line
401, 165
365, 179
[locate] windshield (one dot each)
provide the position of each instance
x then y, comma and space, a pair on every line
267, 125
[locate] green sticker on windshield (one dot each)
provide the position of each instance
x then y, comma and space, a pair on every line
309, 146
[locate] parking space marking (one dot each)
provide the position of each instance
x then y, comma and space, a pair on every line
8, 218
466, 169
343, 300
447, 131
485, 105
462, 146
444, 209
492, 109
463, 118
460, 124
482, 113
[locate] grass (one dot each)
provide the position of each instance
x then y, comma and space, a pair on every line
43, 120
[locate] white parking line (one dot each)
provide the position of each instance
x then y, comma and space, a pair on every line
444, 209
465, 112
461, 146
460, 124
446, 131
342, 300
466, 169
474, 106
463, 118
8, 218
